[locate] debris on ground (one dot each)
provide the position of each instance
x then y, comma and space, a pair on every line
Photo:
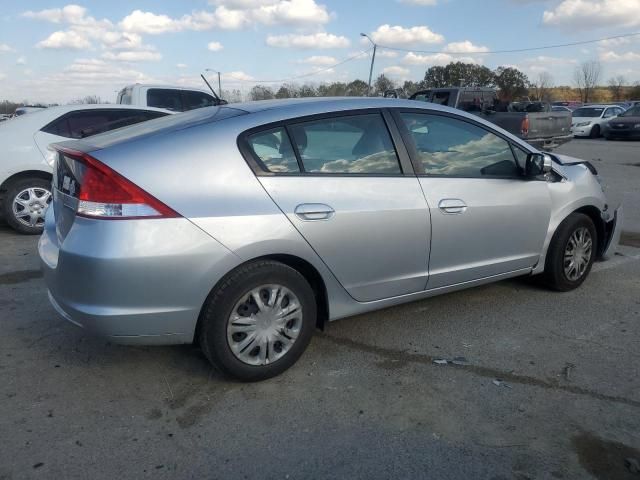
499, 383
460, 361
440, 361
566, 371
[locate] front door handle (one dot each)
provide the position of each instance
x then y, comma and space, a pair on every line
452, 206
314, 211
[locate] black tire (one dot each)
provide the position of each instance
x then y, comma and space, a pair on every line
595, 131
219, 306
13, 190
554, 272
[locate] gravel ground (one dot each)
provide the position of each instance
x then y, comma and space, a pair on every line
538, 385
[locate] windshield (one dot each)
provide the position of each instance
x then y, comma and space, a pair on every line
632, 112
588, 112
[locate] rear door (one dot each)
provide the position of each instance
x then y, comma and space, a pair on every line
352, 195
486, 218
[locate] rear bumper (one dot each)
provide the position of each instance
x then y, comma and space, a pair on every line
549, 143
134, 281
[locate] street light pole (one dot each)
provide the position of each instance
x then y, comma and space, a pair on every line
373, 59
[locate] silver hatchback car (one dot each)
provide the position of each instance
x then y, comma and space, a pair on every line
244, 227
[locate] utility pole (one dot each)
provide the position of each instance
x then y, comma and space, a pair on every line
219, 81
373, 59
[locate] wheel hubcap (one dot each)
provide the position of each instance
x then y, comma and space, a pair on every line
577, 254
30, 206
264, 324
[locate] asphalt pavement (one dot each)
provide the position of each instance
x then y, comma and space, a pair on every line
504, 381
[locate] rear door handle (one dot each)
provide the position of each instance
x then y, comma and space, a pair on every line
314, 211
452, 206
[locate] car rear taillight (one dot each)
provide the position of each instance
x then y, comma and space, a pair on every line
524, 127
104, 193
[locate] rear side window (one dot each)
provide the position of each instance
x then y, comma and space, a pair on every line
124, 97
274, 150
350, 144
165, 98
451, 147
85, 123
193, 99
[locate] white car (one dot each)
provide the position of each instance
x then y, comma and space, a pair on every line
588, 121
26, 163
176, 99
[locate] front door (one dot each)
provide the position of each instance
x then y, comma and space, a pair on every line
339, 181
487, 219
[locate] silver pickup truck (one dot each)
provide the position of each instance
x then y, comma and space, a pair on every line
534, 122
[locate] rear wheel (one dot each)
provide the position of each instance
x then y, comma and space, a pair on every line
595, 131
571, 253
259, 321
26, 203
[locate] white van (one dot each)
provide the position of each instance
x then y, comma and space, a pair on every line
176, 99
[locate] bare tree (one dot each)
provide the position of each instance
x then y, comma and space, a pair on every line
542, 86
89, 99
586, 77
616, 86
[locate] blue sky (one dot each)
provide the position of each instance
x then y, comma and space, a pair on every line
54, 51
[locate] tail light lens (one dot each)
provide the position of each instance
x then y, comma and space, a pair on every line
104, 193
524, 128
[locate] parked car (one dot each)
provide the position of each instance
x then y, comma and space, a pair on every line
244, 228
533, 122
571, 105
26, 163
588, 121
176, 99
558, 108
26, 109
624, 126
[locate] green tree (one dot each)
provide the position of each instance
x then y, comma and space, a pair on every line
307, 90
382, 84
458, 74
511, 82
260, 92
357, 88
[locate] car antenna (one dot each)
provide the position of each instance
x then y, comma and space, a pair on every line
215, 95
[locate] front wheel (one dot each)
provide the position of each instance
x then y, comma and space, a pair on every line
259, 321
26, 203
595, 131
571, 253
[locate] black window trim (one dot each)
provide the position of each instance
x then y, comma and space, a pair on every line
413, 153
261, 170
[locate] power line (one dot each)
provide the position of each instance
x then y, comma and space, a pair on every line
515, 50
304, 75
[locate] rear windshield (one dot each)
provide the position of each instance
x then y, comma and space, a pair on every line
588, 112
632, 112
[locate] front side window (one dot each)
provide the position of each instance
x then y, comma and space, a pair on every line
165, 98
274, 150
350, 144
452, 147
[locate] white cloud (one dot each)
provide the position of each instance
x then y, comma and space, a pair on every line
465, 47
2, 76
22, 60
68, 14
315, 40
551, 61
238, 75
587, 14
133, 56
612, 56
5, 48
319, 60
439, 59
387, 53
243, 4
397, 35
292, 12
69, 39
147, 22
396, 71
422, 3
181, 65
214, 46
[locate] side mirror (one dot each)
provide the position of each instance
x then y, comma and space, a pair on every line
538, 164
